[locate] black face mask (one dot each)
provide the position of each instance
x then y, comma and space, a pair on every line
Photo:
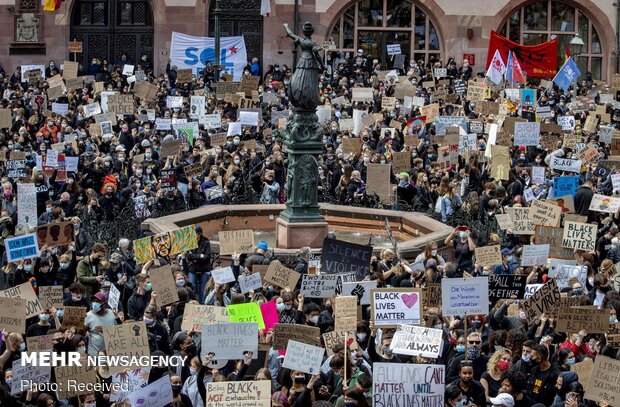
176, 388
191, 349
300, 380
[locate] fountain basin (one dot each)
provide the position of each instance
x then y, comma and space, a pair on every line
412, 230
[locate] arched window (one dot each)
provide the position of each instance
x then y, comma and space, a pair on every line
545, 20
372, 25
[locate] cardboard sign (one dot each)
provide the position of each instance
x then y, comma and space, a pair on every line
334, 338
362, 95
394, 382
248, 312
145, 90
70, 70
391, 305
249, 283
575, 319
504, 221
603, 381
24, 292
13, 314
401, 162
66, 375
164, 285
283, 333
542, 301
223, 275
506, 286
51, 296
545, 214
128, 338
184, 75
465, 296
520, 218
74, 316
196, 316
360, 289
535, 254
351, 145
230, 340
378, 180
303, 357
39, 343
281, 276
417, 341
236, 241
193, 170
604, 204
581, 236
56, 234
477, 91
345, 313
339, 256
170, 147
488, 256
255, 393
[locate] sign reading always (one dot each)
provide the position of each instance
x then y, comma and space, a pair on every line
415, 340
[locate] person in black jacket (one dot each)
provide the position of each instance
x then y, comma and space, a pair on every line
157, 329
199, 261
583, 198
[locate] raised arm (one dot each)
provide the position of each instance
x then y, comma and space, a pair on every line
289, 33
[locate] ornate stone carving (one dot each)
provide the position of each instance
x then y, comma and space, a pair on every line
27, 28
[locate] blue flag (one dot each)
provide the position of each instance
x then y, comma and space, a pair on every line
567, 74
509, 68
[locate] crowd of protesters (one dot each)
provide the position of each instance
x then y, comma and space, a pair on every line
493, 359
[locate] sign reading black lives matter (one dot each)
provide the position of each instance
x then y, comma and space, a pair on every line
344, 257
506, 286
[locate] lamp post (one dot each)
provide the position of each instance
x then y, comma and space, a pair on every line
216, 17
576, 44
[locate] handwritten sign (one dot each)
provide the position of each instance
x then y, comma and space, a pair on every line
255, 393
323, 285
195, 316
247, 312
24, 292
417, 341
535, 254
130, 338
164, 285
421, 385
21, 247
522, 224
389, 305
575, 319
506, 286
360, 289
542, 301
580, 236
51, 296
249, 283
339, 256
488, 256
13, 314
230, 340
303, 357
281, 276
565, 164
236, 241
75, 374
605, 204
463, 296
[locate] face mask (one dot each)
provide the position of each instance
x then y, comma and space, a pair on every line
503, 365
76, 297
402, 184
522, 315
48, 210
22, 347
180, 283
463, 235
60, 313
460, 404
9, 382
613, 320
350, 405
526, 358
28, 267
434, 252
425, 179
106, 164
193, 372
149, 287
237, 162
288, 307
366, 159
473, 353
570, 361
191, 349
300, 379
476, 324
148, 321
236, 142
96, 307
218, 151
361, 336
382, 161
460, 348
280, 307
81, 349
121, 159
314, 319
176, 388
44, 317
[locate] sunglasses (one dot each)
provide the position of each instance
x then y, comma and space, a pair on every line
474, 342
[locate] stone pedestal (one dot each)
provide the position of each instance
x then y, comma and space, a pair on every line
295, 235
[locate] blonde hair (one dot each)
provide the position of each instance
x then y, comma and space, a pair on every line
494, 360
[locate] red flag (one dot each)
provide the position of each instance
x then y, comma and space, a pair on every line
540, 61
517, 73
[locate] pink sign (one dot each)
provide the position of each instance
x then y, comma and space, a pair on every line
270, 314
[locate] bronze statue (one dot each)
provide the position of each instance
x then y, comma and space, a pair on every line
304, 89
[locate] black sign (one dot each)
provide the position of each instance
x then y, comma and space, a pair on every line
16, 169
168, 180
344, 257
460, 86
506, 286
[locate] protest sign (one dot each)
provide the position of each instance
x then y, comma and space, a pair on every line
401, 162
26, 204
28, 374
16, 169
603, 383
538, 175
223, 275
303, 357
164, 285
323, 285
170, 147
236, 241
196, 316
397, 384
345, 313
24, 291
565, 164
283, 333
128, 382
605, 204
488, 255
362, 95
542, 213
584, 369
417, 341
504, 221
575, 319
211, 121
66, 375
587, 154
51, 296
527, 134
535, 254
567, 122
580, 236
339, 256
563, 273
391, 305
247, 312
360, 289
334, 338
432, 297
91, 109
145, 90
156, 394
56, 234
465, 296
522, 223
530, 289
74, 316
504, 286
130, 338
250, 282
542, 301
378, 180
13, 314
114, 297
230, 340
565, 186
281, 276
255, 393
40, 343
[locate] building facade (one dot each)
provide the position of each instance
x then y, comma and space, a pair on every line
424, 29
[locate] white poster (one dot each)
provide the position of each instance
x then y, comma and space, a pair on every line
538, 175
211, 121
565, 164
303, 357
530, 289
564, 272
191, 52
567, 122
417, 340
156, 394
128, 70
251, 282
197, 107
360, 289
465, 296
26, 204
400, 384
535, 254
392, 306
91, 109
223, 275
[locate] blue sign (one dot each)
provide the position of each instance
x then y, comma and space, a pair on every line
22, 247
563, 186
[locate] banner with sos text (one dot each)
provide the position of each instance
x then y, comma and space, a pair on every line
189, 52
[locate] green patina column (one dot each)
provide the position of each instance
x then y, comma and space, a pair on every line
303, 133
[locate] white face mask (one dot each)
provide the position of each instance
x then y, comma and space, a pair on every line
434, 252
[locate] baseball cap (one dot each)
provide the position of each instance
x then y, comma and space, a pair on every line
506, 251
99, 296
503, 399
262, 245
